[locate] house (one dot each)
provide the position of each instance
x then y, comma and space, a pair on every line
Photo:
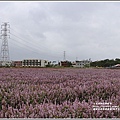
34, 63
17, 63
117, 66
82, 63
65, 63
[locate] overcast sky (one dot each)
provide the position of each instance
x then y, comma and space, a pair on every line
44, 30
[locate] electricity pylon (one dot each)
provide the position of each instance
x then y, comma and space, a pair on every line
4, 56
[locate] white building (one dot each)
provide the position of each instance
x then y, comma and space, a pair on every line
82, 63
34, 63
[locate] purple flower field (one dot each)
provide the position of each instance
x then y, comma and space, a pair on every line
58, 93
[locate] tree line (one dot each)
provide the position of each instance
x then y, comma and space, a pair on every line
105, 63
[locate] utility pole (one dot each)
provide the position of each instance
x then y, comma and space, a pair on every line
64, 56
4, 56
76, 58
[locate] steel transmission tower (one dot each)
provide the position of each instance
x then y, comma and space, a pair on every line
4, 56
64, 56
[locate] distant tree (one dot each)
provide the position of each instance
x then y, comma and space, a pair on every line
117, 61
105, 63
69, 64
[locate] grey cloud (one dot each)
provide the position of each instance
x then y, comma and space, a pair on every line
82, 29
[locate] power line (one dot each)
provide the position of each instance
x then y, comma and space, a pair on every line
36, 45
32, 49
27, 48
28, 42
24, 43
